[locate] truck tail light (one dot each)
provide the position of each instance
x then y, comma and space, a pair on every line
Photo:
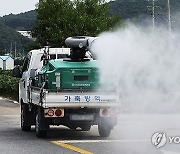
105, 112
114, 112
58, 112
53, 112
50, 112
109, 112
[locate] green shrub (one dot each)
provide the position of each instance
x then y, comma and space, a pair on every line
18, 62
8, 84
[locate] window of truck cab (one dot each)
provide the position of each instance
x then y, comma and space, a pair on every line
38, 62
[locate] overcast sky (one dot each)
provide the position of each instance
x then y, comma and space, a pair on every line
16, 6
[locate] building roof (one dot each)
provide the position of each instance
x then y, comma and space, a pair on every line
4, 57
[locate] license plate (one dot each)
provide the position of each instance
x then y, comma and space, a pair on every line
82, 117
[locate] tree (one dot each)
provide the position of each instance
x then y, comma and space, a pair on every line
59, 19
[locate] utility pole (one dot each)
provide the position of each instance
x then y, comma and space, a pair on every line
153, 14
152, 8
15, 51
169, 15
11, 48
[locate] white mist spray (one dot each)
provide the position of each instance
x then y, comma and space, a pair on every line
144, 64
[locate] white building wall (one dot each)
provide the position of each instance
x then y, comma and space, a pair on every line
26, 34
1, 63
9, 63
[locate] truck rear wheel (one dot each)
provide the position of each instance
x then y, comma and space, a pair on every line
104, 128
40, 131
25, 118
104, 131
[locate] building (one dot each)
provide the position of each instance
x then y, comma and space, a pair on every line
27, 34
6, 62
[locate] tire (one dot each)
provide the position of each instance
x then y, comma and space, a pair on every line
25, 118
104, 131
104, 127
40, 133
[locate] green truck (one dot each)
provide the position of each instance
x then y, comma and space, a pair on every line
60, 86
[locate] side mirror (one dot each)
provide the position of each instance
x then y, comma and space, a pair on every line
16, 72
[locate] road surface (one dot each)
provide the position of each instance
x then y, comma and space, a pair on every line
132, 135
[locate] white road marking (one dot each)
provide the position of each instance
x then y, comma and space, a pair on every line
169, 152
101, 141
10, 115
15, 102
7, 99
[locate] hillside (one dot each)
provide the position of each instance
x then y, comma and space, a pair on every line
22, 21
9, 37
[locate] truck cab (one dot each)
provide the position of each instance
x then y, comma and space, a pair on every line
32, 62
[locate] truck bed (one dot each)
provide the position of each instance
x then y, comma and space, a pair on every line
77, 99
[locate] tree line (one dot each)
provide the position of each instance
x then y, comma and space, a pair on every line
59, 19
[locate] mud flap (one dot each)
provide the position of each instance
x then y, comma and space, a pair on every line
43, 122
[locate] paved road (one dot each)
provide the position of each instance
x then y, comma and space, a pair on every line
131, 136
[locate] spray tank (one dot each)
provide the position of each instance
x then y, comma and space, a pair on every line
79, 71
